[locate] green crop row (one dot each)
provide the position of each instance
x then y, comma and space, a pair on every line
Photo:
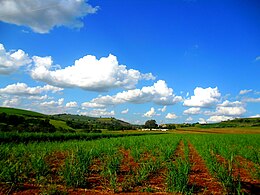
151, 156
49, 137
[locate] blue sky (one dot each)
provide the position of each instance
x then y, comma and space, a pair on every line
173, 61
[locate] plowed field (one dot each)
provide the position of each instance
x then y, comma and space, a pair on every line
151, 164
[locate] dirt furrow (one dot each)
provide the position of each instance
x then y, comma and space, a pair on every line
250, 167
200, 178
179, 152
249, 185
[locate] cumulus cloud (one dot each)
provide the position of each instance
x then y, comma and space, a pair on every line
245, 91
255, 116
192, 110
150, 113
98, 113
202, 121
230, 111
44, 97
42, 16
23, 89
216, 119
12, 60
72, 104
88, 73
125, 111
226, 111
255, 100
227, 103
228, 108
163, 109
189, 119
13, 102
159, 94
52, 103
203, 97
171, 116
92, 105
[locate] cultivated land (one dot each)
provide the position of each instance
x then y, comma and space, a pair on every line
222, 158
166, 163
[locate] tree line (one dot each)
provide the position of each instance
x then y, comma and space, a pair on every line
18, 123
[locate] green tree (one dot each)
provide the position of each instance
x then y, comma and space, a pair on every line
151, 124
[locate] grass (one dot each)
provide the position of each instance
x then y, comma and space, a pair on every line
234, 130
60, 124
26, 162
14, 137
16, 111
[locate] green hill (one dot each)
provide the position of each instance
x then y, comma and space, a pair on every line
16, 111
238, 122
12, 119
88, 123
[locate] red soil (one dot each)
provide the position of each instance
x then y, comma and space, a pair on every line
199, 177
56, 161
179, 152
240, 170
128, 162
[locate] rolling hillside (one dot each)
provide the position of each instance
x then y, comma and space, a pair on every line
16, 111
62, 122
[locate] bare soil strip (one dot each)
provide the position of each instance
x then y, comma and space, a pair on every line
127, 168
199, 177
248, 183
56, 161
94, 179
157, 181
179, 152
248, 165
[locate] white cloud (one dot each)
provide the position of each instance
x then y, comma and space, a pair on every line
71, 105
192, 111
245, 91
159, 94
11, 61
98, 113
230, 111
189, 119
42, 16
23, 89
52, 103
125, 111
88, 73
164, 109
13, 102
256, 100
202, 121
228, 108
257, 58
255, 116
171, 116
92, 105
150, 113
227, 103
44, 97
203, 97
216, 119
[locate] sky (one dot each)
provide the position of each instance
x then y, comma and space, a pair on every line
174, 61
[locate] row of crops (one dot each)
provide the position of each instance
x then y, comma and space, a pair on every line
13, 137
151, 163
